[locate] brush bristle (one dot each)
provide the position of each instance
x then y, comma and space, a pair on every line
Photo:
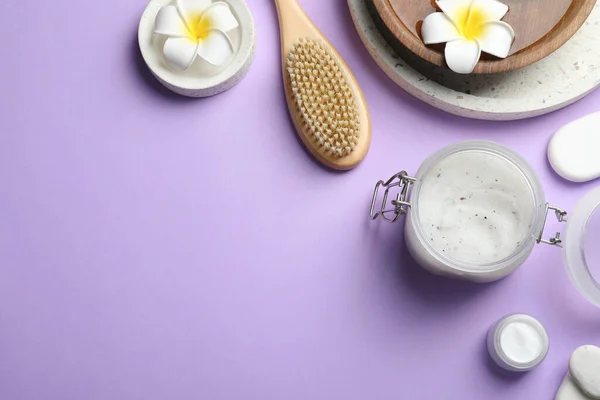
324, 100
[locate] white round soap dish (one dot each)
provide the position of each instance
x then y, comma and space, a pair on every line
175, 40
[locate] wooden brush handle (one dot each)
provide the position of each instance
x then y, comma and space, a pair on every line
294, 23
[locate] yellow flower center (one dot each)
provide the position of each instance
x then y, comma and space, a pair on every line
198, 28
470, 21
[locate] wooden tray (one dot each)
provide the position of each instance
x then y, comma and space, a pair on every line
558, 80
541, 27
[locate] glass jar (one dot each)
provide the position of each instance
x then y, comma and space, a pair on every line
475, 211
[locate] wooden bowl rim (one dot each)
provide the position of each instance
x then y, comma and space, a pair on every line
570, 23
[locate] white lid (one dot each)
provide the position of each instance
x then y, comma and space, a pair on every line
581, 246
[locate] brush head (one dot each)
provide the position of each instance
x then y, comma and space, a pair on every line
324, 101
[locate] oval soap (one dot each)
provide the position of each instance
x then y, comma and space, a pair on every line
584, 367
574, 150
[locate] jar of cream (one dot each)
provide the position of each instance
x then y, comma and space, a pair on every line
518, 342
475, 211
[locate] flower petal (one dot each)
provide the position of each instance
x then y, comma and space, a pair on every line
494, 10
438, 28
456, 10
462, 55
219, 16
191, 10
496, 38
169, 23
216, 49
180, 52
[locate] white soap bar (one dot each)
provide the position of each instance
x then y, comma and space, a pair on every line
574, 150
583, 380
584, 367
570, 391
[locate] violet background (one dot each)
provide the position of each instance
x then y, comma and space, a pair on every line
156, 247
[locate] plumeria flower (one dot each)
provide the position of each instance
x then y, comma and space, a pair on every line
469, 27
196, 28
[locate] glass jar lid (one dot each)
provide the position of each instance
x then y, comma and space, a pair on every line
581, 246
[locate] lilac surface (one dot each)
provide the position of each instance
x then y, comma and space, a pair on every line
155, 247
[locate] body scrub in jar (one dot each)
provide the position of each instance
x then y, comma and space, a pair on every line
475, 211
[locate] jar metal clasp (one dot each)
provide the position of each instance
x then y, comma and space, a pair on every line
400, 204
561, 216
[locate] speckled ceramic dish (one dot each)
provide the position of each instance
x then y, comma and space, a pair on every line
548, 85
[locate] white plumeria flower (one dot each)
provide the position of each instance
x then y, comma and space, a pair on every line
469, 27
196, 28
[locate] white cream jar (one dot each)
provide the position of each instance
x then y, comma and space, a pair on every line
518, 342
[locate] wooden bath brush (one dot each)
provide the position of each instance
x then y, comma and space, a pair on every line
326, 104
